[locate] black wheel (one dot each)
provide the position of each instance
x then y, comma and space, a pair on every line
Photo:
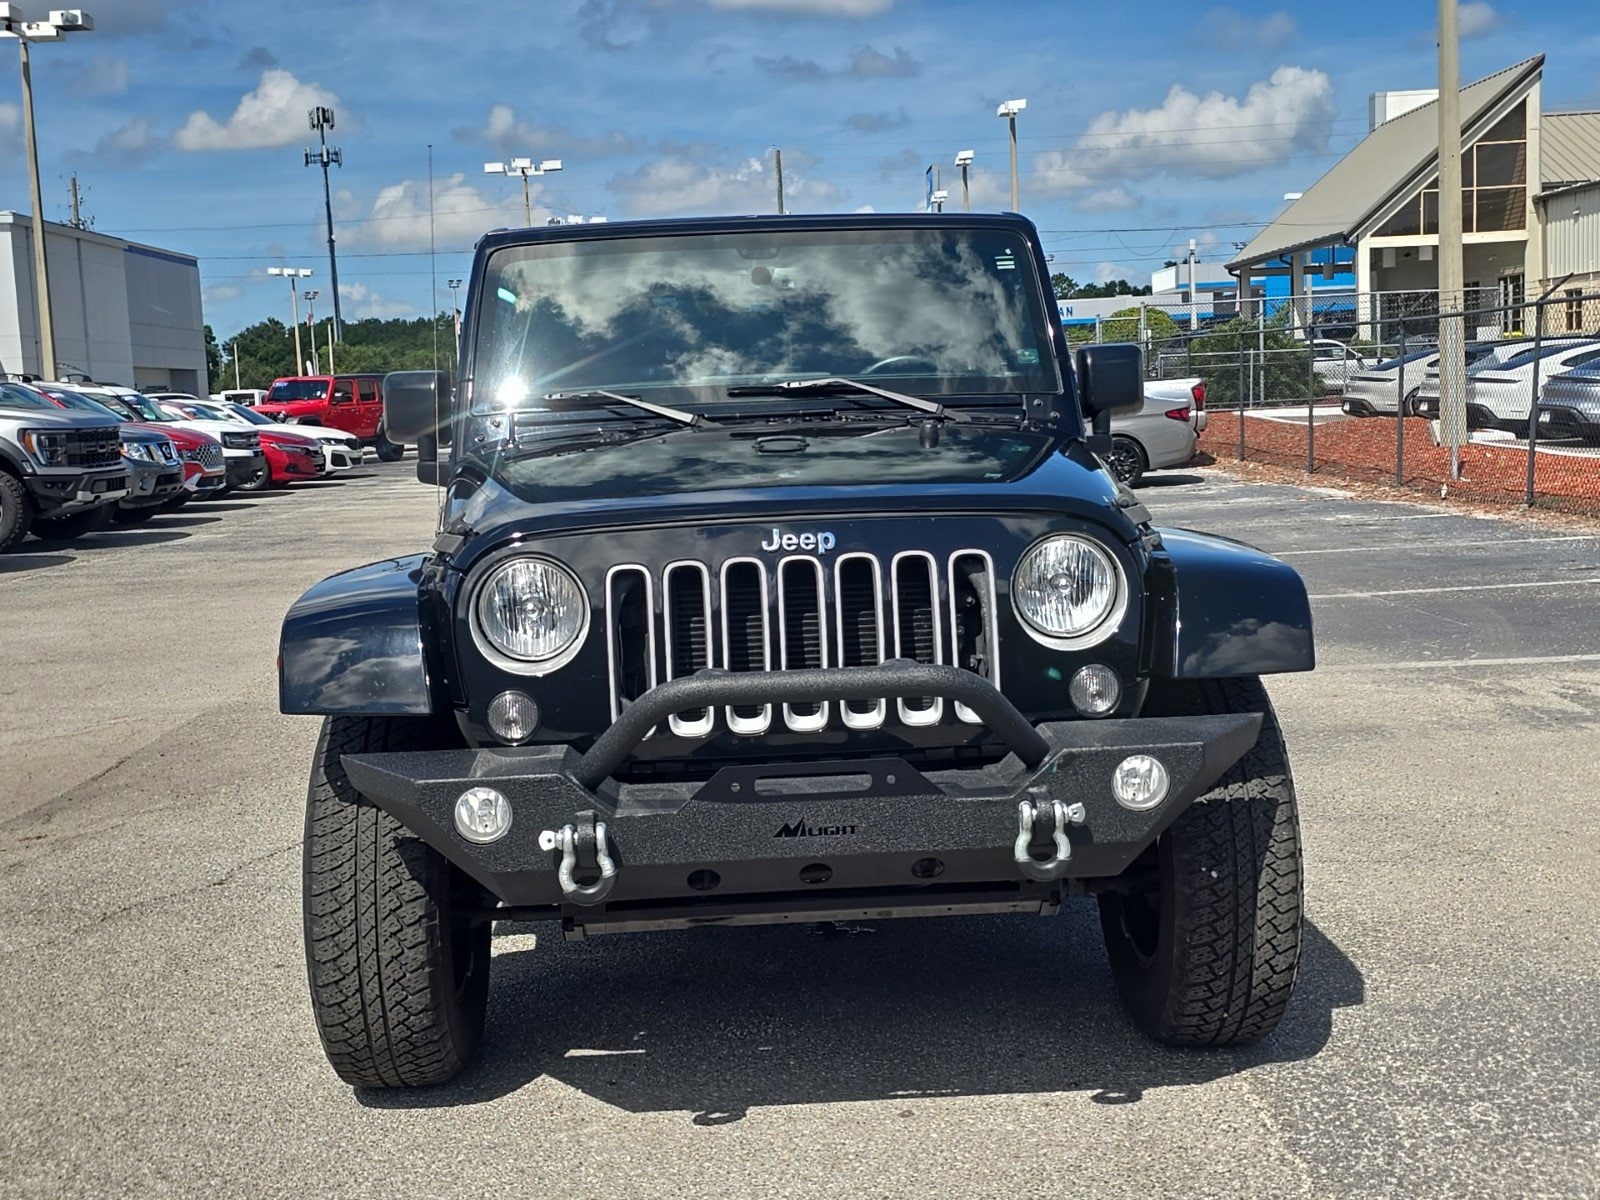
134, 516
1127, 460
389, 451
16, 511
399, 977
1204, 941
74, 526
259, 482
1408, 406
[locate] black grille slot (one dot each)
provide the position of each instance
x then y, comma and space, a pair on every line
974, 634
916, 626
800, 595
860, 626
744, 615
628, 602
687, 608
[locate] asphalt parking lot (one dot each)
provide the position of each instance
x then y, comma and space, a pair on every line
1444, 1040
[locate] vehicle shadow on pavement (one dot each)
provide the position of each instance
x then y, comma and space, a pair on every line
109, 539
13, 563
716, 1022
1167, 480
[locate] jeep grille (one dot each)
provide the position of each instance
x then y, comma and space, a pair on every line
799, 613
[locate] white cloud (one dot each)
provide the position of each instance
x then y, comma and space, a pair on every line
677, 184
221, 293
130, 143
1107, 271
1477, 18
512, 136
1107, 200
461, 214
1213, 136
364, 303
272, 115
1229, 29
814, 8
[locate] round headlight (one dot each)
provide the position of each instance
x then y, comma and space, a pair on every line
1065, 587
531, 610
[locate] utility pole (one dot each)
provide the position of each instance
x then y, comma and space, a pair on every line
1194, 311
77, 214
1009, 109
321, 120
233, 352
311, 327
433, 256
777, 160
1452, 332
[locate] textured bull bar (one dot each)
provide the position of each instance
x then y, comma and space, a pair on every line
784, 841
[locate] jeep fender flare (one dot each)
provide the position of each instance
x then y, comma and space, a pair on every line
1219, 608
353, 645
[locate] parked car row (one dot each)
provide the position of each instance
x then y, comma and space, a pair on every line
1502, 378
1164, 433
75, 457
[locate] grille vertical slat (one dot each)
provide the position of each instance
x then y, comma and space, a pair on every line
746, 645
974, 630
686, 614
802, 634
917, 627
858, 606
630, 634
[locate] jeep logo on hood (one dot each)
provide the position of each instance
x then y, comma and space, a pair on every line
820, 540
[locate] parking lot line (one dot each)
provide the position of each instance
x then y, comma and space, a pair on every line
1536, 660
1413, 547
1467, 587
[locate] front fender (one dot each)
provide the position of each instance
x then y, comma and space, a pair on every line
1220, 608
353, 645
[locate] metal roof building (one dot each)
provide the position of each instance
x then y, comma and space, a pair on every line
123, 312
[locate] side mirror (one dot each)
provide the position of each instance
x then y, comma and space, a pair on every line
1110, 380
416, 405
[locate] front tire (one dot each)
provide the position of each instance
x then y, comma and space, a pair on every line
399, 974
16, 511
1127, 460
258, 482
1204, 941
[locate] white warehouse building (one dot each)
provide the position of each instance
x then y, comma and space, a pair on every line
123, 312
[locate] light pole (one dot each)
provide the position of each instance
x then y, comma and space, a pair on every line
321, 120
964, 160
524, 167
13, 25
939, 197
292, 274
1009, 111
311, 323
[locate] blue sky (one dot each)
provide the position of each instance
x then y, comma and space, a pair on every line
1148, 122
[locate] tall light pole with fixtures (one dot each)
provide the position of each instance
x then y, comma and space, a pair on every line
938, 199
311, 295
964, 161
292, 274
1009, 110
321, 120
14, 25
526, 168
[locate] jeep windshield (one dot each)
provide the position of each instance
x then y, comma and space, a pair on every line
298, 389
927, 311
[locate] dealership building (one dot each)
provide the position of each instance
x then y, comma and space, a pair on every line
123, 312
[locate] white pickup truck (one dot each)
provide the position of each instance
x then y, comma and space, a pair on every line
1163, 433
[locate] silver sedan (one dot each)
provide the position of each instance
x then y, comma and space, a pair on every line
1570, 404
1163, 433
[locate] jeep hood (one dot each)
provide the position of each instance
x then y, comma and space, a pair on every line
746, 473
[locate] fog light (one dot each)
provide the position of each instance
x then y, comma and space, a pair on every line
513, 716
1140, 782
483, 815
1095, 690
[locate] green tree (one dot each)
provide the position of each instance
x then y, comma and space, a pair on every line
213, 359
1064, 286
265, 350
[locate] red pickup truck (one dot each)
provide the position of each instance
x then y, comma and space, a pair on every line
353, 403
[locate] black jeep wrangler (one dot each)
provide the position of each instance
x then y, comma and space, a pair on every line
778, 580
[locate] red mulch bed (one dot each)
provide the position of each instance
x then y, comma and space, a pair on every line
1364, 450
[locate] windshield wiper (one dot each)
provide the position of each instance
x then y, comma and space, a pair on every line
841, 385
692, 420
572, 441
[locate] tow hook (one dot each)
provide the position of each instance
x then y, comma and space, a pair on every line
1029, 820
570, 839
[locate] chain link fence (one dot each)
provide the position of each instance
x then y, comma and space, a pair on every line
1348, 386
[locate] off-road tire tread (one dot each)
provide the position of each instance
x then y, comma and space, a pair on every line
381, 986
16, 511
1237, 865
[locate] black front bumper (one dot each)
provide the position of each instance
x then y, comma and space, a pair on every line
787, 841
244, 471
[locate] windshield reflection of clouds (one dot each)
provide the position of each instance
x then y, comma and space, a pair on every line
687, 461
960, 308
